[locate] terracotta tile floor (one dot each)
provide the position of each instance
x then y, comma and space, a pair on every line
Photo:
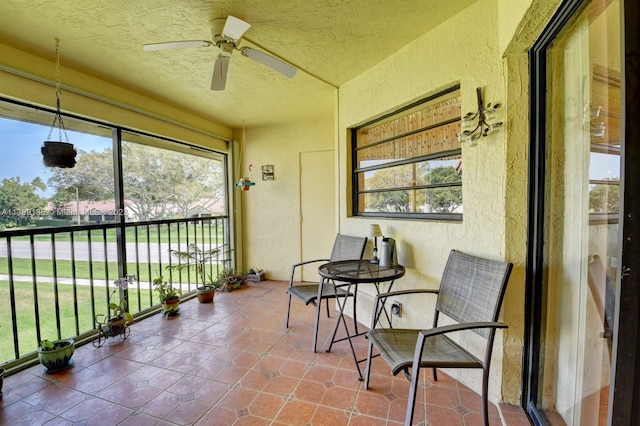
232, 362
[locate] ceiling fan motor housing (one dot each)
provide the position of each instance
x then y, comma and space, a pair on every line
226, 47
224, 43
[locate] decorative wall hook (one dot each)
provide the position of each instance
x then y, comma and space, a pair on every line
592, 122
481, 123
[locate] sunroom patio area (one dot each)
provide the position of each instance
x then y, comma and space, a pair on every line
232, 363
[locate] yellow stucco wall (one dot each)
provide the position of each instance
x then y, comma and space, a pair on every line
271, 210
437, 60
485, 45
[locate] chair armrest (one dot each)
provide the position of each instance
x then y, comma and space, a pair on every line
459, 327
306, 262
417, 355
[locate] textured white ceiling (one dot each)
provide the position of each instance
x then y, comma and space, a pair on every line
332, 40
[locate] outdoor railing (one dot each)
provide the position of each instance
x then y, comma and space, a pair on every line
54, 281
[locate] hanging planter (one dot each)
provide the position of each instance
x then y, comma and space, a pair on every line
58, 153
245, 183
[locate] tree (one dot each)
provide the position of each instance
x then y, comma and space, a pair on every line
438, 199
393, 177
197, 184
92, 177
160, 183
157, 183
19, 203
446, 199
605, 198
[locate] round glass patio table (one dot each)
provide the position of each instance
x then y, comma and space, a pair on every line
349, 274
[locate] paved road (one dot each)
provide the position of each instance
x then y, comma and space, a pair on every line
85, 282
81, 250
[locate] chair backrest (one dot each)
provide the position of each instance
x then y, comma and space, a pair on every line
347, 247
472, 289
602, 290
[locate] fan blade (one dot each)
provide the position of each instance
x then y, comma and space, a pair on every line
220, 70
270, 61
176, 44
234, 28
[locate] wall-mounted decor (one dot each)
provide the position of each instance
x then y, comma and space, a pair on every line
267, 172
483, 123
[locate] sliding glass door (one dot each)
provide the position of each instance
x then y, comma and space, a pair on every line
573, 262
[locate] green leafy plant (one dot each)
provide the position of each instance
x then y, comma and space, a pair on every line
196, 259
228, 279
47, 345
165, 290
119, 310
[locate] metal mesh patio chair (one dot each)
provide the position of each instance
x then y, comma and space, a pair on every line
471, 292
345, 247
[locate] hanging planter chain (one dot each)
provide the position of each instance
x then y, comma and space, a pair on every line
58, 117
245, 182
58, 153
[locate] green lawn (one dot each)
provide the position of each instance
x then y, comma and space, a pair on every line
130, 235
64, 268
25, 312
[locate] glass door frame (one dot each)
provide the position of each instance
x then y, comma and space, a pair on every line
624, 400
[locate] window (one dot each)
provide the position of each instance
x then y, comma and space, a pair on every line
602, 120
408, 163
162, 179
32, 195
165, 181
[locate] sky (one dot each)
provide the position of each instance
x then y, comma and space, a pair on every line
21, 143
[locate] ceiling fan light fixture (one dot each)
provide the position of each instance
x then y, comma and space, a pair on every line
235, 28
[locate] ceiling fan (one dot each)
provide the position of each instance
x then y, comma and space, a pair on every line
226, 35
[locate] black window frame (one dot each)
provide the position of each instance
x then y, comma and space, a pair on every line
355, 170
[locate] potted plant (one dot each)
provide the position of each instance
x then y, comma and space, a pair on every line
255, 275
229, 280
196, 259
56, 355
169, 296
118, 315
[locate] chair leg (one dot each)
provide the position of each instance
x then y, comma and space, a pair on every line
326, 304
367, 369
317, 324
485, 402
288, 311
435, 375
413, 391
355, 317
293, 273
